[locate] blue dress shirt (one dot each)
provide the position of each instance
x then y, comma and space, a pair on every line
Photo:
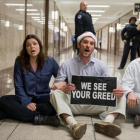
34, 84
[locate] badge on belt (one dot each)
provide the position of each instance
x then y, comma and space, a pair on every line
131, 43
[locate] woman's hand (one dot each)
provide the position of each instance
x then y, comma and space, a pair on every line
132, 100
32, 106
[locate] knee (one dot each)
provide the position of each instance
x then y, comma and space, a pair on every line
3, 98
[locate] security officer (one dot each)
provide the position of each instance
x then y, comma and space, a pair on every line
83, 22
130, 38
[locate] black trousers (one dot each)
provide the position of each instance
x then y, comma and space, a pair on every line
13, 108
126, 50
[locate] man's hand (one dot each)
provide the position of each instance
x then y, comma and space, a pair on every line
58, 85
32, 106
132, 100
138, 27
125, 41
118, 92
68, 88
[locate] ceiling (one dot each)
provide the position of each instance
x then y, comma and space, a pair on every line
116, 9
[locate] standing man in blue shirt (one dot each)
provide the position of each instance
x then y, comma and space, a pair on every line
32, 74
83, 22
85, 65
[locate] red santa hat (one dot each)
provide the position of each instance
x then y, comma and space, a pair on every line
90, 34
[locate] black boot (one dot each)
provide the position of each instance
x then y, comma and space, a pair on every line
47, 120
2, 115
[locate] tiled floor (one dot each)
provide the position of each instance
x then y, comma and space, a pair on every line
15, 130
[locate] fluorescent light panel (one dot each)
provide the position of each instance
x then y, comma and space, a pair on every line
95, 15
11, 4
96, 11
27, 10
31, 14
98, 6
35, 17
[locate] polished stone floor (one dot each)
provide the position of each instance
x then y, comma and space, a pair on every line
15, 130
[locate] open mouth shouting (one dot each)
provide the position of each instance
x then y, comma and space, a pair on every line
87, 50
33, 51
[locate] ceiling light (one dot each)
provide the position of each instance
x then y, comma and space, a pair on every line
20, 27
54, 15
98, 6
37, 14
2, 21
95, 15
35, 17
119, 26
11, 4
96, 11
7, 23
27, 10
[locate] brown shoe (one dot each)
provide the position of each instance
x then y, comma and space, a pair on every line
108, 129
137, 121
79, 130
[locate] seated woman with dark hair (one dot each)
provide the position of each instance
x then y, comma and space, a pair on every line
32, 74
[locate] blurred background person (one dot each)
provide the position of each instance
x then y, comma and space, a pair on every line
129, 36
73, 42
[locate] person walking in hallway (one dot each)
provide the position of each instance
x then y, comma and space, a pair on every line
83, 22
32, 74
85, 65
130, 38
73, 42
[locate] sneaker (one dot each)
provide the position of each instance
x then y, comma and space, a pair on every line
137, 121
79, 130
108, 129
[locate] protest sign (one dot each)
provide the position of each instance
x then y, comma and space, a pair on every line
94, 90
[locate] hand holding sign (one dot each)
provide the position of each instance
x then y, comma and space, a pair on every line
118, 92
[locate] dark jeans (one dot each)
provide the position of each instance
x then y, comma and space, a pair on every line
13, 108
126, 50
